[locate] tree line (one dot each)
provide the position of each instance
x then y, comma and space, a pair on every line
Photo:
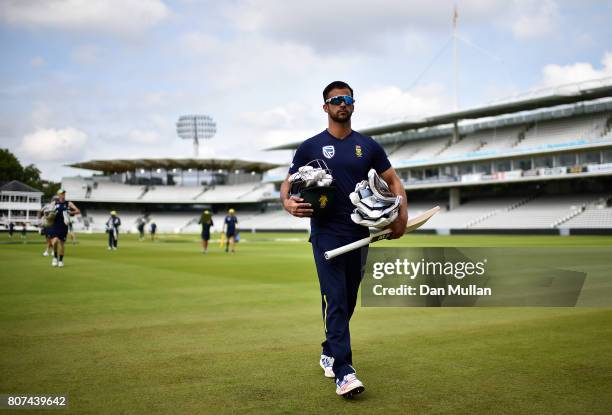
11, 169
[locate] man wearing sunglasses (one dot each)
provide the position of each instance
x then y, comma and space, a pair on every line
350, 156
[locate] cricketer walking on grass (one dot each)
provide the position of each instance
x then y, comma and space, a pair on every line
229, 229
112, 227
206, 222
349, 155
59, 217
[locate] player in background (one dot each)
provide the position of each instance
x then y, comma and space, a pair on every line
71, 231
140, 225
206, 222
230, 231
350, 156
112, 227
153, 230
24, 231
59, 228
11, 230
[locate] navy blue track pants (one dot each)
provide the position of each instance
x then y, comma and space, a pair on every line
339, 281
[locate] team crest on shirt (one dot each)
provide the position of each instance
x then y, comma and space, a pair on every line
323, 201
329, 151
358, 152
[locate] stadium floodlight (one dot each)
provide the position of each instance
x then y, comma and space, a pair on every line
196, 127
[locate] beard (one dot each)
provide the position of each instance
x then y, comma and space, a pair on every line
341, 118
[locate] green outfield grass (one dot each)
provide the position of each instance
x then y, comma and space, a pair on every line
161, 328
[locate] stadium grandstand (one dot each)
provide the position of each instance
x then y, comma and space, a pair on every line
536, 164
170, 192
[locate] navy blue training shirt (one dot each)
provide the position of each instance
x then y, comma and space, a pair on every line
231, 222
349, 160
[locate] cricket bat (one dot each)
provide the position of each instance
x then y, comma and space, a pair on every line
412, 225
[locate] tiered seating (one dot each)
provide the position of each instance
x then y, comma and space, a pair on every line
248, 192
576, 130
466, 214
103, 190
466, 145
419, 150
76, 187
171, 194
565, 130
539, 213
594, 217
496, 140
107, 191
481, 141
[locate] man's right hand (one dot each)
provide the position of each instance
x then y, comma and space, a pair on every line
294, 206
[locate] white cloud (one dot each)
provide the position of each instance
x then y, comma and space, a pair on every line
536, 19
250, 60
356, 27
107, 16
54, 145
374, 106
554, 75
387, 103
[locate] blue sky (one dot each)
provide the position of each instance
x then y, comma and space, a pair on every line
108, 79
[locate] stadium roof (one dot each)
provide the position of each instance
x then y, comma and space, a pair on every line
546, 101
124, 165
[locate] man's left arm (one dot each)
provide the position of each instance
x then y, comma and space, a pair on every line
73, 209
398, 227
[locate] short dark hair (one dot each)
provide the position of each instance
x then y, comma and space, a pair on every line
336, 85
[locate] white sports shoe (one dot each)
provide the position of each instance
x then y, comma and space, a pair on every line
54, 262
327, 364
349, 386
109, 248
60, 264
46, 253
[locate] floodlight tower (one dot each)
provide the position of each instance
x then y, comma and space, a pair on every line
196, 127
